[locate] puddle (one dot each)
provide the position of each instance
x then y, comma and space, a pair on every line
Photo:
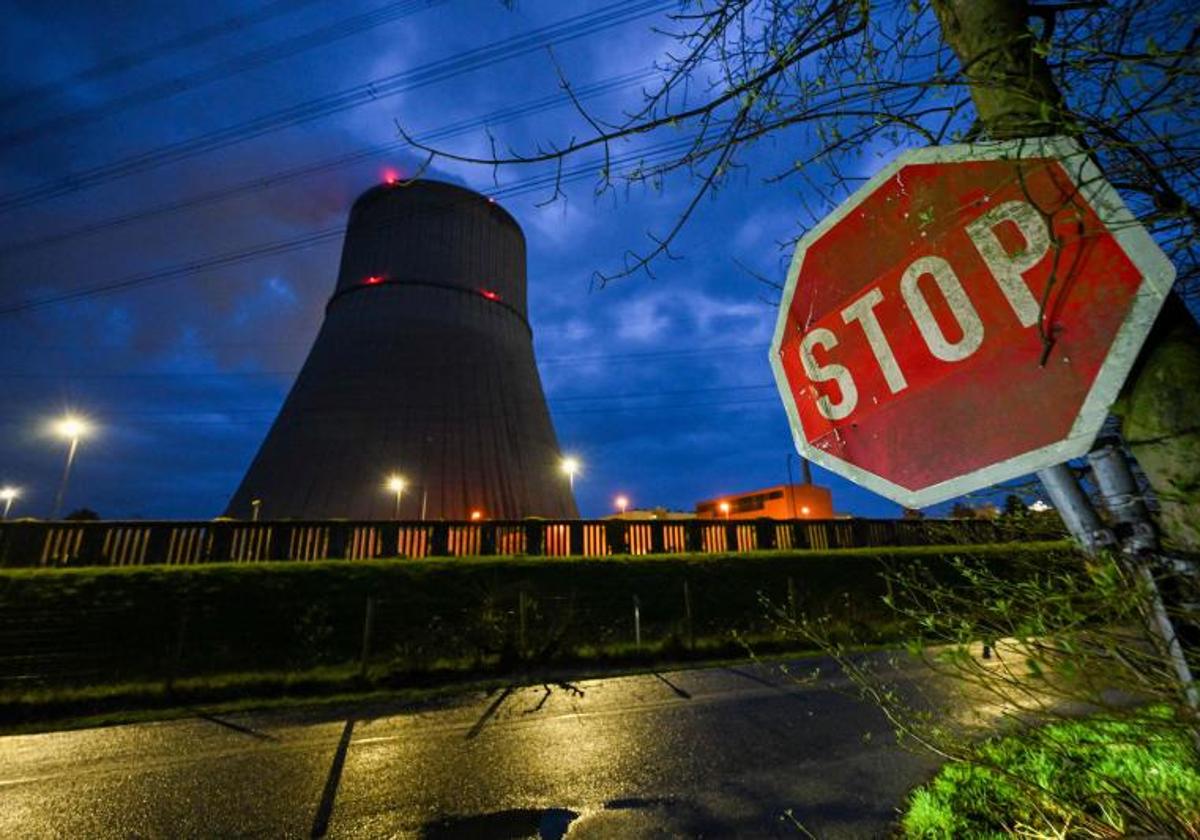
634, 803
519, 823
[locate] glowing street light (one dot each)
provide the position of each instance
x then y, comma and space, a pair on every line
70, 428
570, 466
724, 508
622, 503
7, 494
396, 484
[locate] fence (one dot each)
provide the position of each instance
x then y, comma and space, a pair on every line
119, 543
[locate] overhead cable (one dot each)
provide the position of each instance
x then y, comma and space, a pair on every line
580, 26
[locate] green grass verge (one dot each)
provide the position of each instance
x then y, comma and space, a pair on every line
43, 709
1133, 776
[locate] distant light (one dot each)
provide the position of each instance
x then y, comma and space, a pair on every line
7, 494
71, 427
1040, 507
374, 280
491, 200
489, 294
805, 510
622, 502
723, 507
396, 483
476, 515
570, 465
391, 177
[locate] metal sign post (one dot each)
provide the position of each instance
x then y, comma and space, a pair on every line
1140, 545
1076, 509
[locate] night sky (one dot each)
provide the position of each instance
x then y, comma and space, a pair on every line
147, 142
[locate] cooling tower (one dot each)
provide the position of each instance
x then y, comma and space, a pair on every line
423, 368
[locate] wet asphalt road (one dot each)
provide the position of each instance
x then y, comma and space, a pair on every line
712, 752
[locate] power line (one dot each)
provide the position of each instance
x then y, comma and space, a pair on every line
136, 58
253, 374
628, 395
660, 151
206, 417
279, 177
268, 54
571, 29
574, 359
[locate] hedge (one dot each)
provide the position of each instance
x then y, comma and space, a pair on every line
95, 625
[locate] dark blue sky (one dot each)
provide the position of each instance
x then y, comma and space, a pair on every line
660, 386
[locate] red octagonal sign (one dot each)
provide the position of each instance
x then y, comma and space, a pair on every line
966, 317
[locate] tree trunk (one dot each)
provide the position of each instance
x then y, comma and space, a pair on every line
1160, 420
1015, 96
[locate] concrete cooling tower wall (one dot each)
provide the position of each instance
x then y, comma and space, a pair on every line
424, 368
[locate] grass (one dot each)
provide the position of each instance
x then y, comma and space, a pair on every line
41, 709
1089, 778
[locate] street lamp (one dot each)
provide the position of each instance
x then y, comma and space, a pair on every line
570, 466
71, 428
7, 494
724, 508
396, 484
622, 503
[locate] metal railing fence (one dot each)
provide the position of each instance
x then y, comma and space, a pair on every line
138, 543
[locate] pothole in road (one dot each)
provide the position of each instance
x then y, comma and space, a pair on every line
540, 823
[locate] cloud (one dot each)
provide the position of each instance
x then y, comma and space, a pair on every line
561, 225
643, 320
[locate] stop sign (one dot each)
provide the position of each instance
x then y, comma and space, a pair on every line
966, 317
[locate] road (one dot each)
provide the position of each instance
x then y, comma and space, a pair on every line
707, 752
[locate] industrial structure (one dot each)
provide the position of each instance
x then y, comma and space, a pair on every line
420, 398
785, 501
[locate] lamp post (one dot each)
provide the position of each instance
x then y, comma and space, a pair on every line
622, 503
791, 486
69, 428
396, 484
7, 494
570, 466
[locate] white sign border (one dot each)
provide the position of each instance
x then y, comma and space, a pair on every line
1158, 275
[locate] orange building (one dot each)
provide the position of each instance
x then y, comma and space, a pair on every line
795, 501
